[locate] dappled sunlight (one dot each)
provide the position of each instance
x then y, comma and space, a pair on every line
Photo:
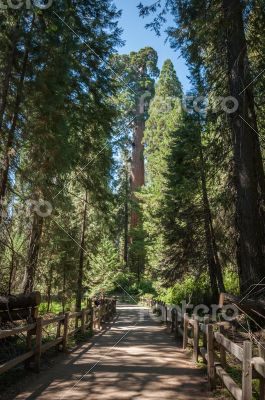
132, 359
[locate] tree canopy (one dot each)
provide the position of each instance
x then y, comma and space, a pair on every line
114, 180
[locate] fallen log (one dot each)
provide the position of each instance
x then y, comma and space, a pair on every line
254, 308
22, 306
20, 301
18, 315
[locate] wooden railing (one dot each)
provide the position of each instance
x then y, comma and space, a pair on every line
207, 339
67, 324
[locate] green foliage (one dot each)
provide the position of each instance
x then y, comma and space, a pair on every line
137, 72
171, 195
192, 289
201, 31
144, 287
148, 296
126, 283
231, 281
66, 135
57, 122
55, 308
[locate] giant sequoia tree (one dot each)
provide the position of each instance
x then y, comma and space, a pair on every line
248, 167
138, 70
105, 178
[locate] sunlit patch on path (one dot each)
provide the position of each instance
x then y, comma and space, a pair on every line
134, 359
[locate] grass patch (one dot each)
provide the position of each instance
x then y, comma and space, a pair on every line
56, 307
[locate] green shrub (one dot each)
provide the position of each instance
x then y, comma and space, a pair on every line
148, 296
55, 307
128, 283
231, 281
191, 289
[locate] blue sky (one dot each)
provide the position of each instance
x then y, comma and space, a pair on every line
137, 37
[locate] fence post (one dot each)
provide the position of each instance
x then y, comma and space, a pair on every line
185, 330
206, 320
173, 317
89, 308
262, 380
99, 317
195, 338
106, 319
38, 343
180, 324
91, 325
83, 321
222, 349
65, 330
247, 371
29, 347
94, 316
102, 315
210, 354
176, 325
58, 332
221, 300
162, 312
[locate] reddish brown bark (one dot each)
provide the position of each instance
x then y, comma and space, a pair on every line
137, 168
126, 219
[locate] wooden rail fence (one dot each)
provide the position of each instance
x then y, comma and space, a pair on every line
207, 339
67, 324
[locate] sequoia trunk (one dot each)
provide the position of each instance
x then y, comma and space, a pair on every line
248, 168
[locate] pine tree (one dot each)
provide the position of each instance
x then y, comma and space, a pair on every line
167, 148
57, 111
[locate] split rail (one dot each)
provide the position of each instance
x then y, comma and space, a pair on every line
208, 339
66, 325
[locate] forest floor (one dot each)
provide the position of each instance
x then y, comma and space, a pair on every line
133, 359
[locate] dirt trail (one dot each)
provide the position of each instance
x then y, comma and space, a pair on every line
134, 360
